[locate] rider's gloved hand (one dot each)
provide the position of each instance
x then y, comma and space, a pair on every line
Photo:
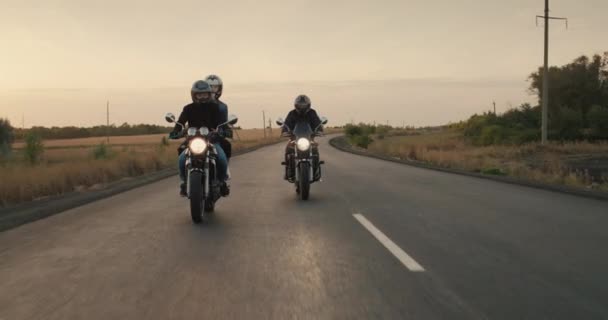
174, 135
214, 137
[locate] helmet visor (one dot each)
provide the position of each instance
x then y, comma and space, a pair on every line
202, 96
301, 106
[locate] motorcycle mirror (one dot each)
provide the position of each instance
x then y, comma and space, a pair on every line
280, 122
232, 119
323, 120
170, 117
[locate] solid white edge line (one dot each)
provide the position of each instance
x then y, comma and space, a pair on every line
407, 261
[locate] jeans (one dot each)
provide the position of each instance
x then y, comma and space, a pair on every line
221, 163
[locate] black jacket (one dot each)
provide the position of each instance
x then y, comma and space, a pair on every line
294, 116
200, 115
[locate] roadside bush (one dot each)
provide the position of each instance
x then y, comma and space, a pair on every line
101, 151
383, 130
525, 136
598, 121
359, 135
362, 141
6, 137
352, 130
567, 124
473, 127
493, 134
34, 148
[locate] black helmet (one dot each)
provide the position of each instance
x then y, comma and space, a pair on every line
302, 103
199, 87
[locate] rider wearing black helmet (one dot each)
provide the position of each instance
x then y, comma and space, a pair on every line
302, 112
202, 112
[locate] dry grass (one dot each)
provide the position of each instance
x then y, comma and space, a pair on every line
69, 164
550, 164
76, 169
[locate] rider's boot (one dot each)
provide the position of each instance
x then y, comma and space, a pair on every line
225, 189
182, 190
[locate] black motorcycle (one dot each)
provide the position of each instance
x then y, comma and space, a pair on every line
303, 165
203, 186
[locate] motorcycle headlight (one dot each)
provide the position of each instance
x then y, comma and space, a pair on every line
303, 144
197, 145
192, 131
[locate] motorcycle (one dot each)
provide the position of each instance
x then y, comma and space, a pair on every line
203, 186
304, 161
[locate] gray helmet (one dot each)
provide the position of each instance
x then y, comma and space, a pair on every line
200, 86
302, 103
215, 81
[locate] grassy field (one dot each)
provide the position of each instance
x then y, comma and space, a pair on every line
579, 164
70, 164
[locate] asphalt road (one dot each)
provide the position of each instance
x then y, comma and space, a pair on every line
443, 247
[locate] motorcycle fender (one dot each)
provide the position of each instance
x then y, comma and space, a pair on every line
188, 179
207, 179
298, 167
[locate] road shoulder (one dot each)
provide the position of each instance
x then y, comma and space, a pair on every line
341, 144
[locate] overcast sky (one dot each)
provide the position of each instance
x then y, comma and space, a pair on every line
416, 62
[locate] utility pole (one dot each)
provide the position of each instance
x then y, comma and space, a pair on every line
264, 123
545, 94
270, 126
108, 122
494, 102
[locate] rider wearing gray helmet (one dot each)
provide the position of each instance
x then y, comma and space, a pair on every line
217, 86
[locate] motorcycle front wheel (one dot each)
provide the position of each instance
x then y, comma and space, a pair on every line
304, 180
197, 200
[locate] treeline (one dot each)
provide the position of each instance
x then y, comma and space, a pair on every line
578, 108
72, 132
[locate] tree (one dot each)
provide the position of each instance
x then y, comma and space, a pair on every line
7, 136
598, 121
578, 85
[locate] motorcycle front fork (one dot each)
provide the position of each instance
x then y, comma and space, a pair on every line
290, 170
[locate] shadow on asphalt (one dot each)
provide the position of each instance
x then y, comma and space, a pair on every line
292, 201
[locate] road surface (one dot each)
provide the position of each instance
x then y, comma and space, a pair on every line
377, 240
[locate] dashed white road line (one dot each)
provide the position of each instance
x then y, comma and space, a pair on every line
407, 261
